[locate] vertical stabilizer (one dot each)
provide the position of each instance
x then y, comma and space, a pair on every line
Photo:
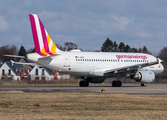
43, 43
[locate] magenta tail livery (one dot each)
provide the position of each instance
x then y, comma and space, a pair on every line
43, 43
93, 67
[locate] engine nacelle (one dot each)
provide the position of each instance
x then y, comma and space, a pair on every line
95, 80
144, 76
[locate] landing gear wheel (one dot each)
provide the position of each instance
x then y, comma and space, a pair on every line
116, 83
119, 83
83, 83
144, 84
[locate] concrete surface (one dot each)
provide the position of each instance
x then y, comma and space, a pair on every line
160, 89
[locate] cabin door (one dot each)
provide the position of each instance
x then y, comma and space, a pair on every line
67, 61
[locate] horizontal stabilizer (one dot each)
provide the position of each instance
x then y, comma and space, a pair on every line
22, 63
16, 56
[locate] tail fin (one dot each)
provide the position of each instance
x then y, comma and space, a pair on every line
43, 43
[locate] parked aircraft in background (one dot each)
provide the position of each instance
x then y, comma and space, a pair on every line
93, 67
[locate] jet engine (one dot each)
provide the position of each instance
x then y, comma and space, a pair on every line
95, 80
144, 76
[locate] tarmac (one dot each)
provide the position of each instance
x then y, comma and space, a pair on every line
150, 89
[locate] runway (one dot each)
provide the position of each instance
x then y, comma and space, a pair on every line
158, 89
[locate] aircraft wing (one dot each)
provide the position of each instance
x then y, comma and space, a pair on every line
127, 69
132, 67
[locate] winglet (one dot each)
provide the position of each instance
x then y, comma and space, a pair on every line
160, 61
12, 61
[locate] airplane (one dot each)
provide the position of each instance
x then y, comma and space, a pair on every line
93, 67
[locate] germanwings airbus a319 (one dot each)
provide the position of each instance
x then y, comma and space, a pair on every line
93, 67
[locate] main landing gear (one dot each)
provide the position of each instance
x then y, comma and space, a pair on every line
116, 83
84, 82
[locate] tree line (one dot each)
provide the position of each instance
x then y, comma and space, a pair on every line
112, 46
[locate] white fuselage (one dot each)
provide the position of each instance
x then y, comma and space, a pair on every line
85, 63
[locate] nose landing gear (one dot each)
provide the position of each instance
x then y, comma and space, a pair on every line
143, 84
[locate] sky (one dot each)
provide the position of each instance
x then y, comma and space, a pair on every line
88, 23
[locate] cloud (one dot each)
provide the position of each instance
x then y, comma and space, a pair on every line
121, 22
3, 24
61, 39
144, 35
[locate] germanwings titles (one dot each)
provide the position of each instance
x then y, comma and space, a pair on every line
93, 67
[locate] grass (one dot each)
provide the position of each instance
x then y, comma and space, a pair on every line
81, 106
